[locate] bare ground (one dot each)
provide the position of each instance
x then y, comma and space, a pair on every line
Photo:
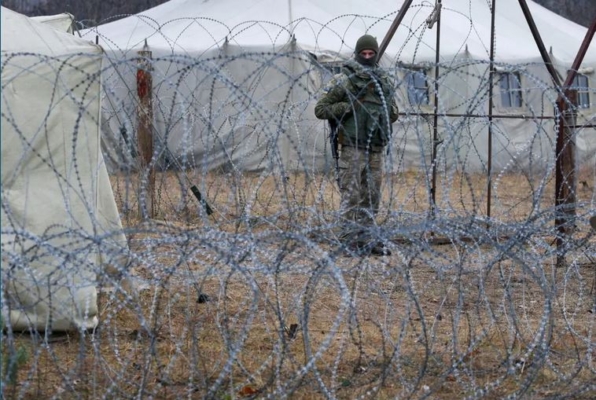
294, 318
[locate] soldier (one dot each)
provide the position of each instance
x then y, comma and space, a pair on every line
359, 104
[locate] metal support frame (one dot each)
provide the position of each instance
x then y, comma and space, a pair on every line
393, 28
433, 189
541, 47
564, 145
491, 76
565, 177
565, 185
583, 49
583, 126
469, 115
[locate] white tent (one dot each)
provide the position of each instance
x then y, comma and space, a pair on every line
235, 84
64, 22
60, 224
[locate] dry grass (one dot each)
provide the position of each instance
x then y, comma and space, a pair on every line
513, 196
175, 347
383, 327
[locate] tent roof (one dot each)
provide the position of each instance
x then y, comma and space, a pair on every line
22, 34
192, 26
63, 22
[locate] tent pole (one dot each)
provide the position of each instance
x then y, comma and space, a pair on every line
491, 75
433, 189
393, 28
291, 18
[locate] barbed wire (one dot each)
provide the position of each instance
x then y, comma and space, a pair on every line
482, 297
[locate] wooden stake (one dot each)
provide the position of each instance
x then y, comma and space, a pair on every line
147, 206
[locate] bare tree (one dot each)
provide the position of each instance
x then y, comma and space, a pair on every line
89, 12
581, 11
94, 12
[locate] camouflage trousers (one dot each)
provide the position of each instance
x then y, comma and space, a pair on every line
360, 179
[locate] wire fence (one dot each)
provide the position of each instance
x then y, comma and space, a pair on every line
257, 298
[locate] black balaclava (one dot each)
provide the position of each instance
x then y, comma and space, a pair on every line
366, 42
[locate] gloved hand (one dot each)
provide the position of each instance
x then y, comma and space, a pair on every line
339, 110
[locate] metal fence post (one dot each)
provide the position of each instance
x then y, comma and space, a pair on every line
565, 177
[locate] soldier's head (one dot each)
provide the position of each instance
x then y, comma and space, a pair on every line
366, 50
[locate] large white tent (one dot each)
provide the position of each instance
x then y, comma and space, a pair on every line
60, 224
64, 22
235, 84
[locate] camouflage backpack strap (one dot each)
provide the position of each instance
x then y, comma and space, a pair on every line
382, 78
354, 83
337, 80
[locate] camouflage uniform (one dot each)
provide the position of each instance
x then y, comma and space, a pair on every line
360, 101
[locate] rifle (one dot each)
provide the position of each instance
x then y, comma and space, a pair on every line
334, 139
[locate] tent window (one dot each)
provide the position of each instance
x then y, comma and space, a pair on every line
580, 83
511, 92
417, 87
333, 68
329, 70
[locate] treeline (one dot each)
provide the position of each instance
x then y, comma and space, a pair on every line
581, 11
94, 12
88, 12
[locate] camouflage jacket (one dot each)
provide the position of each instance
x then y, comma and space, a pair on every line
360, 101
